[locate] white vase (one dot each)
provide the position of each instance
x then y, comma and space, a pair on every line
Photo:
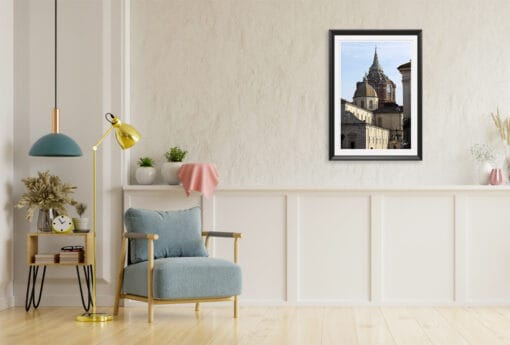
81, 223
145, 175
483, 173
170, 172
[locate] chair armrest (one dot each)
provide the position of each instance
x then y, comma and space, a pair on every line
222, 234
235, 235
140, 236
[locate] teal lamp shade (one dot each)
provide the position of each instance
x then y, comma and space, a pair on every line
55, 145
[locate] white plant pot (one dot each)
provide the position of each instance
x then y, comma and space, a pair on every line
145, 175
81, 223
170, 172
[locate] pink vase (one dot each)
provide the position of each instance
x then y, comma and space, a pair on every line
496, 177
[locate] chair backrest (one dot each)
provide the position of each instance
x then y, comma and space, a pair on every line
180, 233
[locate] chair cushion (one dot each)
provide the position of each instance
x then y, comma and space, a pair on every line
181, 278
180, 233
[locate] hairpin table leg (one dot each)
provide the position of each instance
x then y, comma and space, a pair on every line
30, 298
87, 272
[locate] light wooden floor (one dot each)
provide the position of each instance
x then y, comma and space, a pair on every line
262, 325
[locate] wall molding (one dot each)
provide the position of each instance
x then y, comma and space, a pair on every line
437, 253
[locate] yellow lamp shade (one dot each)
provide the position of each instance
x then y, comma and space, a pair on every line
126, 135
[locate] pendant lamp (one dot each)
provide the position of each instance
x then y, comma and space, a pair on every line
55, 144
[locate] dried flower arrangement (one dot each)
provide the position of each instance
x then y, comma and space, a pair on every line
45, 191
503, 126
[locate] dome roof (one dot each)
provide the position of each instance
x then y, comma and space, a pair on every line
364, 89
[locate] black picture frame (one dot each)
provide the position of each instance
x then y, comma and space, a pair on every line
373, 126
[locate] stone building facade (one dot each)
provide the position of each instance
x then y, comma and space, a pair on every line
373, 120
358, 131
383, 85
405, 70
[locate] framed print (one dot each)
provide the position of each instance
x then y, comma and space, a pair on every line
375, 95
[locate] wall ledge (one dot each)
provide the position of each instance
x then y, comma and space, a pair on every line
422, 188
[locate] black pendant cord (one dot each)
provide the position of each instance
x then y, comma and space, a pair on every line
55, 54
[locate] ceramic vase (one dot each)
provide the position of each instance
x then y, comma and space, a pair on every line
484, 170
145, 175
81, 223
496, 177
170, 172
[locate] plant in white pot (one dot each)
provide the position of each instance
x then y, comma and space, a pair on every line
145, 173
81, 224
170, 169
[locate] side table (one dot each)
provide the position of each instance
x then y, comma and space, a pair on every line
32, 299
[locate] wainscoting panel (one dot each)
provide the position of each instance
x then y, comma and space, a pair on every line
334, 248
488, 259
416, 246
262, 220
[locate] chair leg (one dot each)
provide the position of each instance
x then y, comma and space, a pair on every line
197, 306
236, 307
150, 311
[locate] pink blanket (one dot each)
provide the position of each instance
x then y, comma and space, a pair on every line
199, 177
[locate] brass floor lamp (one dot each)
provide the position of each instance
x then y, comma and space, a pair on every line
127, 136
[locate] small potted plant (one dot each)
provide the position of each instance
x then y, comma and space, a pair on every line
145, 173
170, 169
81, 224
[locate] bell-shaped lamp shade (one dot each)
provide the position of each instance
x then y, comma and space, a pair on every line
126, 135
55, 145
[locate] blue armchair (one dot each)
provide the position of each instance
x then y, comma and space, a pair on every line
168, 263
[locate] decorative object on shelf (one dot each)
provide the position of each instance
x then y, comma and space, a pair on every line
81, 224
55, 144
503, 127
484, 155
126, 136
47, 193
145, 173
496, 177
44, 219
373, 117
62, 224
199, 177
170, 169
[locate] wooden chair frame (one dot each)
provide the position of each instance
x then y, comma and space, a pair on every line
151, 301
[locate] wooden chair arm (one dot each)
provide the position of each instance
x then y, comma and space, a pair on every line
222, 234
235, 235
140, 236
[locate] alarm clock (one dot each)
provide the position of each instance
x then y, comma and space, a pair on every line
62, 224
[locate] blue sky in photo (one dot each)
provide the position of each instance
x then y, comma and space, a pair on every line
357, 57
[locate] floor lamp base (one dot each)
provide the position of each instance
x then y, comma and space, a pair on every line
94, 317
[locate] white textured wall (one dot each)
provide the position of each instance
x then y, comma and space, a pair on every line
244, 84
6, 150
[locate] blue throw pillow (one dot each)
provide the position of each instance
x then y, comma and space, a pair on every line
180, 233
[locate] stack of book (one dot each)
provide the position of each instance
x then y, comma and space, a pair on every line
71, 256
44, 259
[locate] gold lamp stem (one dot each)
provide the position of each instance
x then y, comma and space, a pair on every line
94, 212
126, 136
94, 316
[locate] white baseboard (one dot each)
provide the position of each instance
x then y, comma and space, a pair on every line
6, 303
